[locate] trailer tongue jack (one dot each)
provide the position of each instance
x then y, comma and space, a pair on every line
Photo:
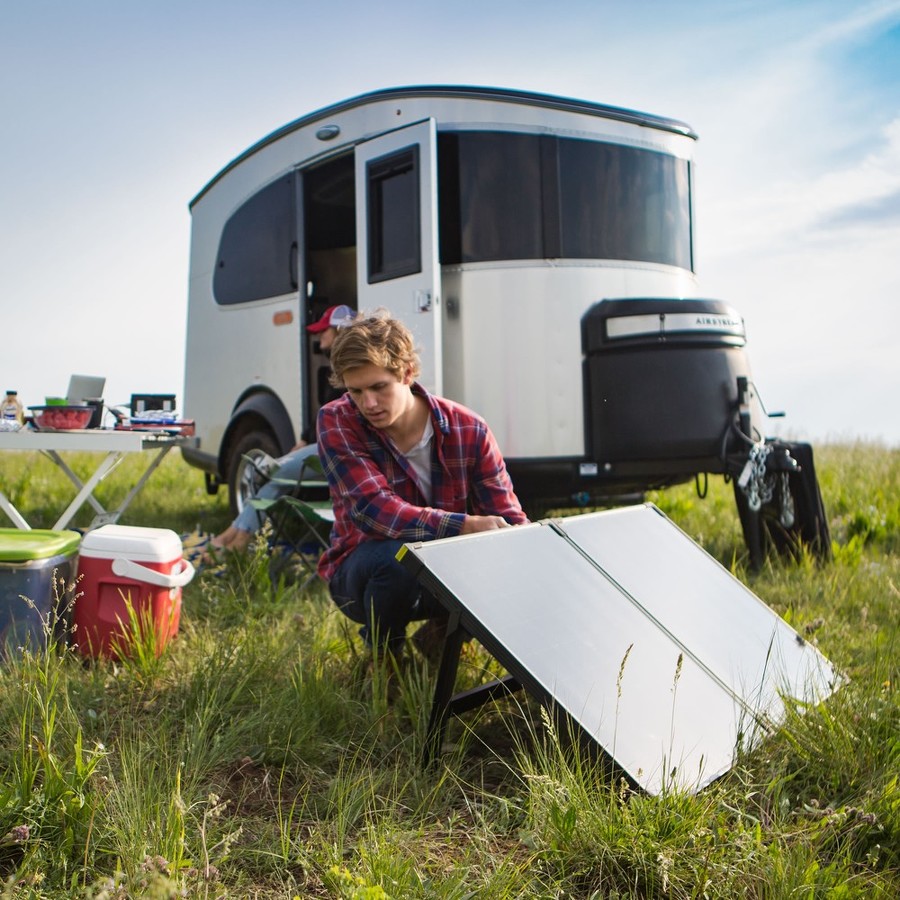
777, 493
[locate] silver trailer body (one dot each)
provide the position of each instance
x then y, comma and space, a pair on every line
496, 224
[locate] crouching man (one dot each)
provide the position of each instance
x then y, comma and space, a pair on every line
402, 465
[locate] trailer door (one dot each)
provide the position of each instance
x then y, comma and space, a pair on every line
396, 227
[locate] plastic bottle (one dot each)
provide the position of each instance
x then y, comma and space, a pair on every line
11, 408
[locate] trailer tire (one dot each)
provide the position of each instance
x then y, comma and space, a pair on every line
243, 479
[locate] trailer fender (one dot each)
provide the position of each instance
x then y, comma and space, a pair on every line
261, 410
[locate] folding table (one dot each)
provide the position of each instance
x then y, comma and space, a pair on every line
114, 445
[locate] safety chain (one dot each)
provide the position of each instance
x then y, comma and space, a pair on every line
787, 514
758, 484
753, 481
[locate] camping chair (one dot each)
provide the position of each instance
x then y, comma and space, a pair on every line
301, 520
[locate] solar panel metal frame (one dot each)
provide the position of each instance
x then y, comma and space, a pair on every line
638, 684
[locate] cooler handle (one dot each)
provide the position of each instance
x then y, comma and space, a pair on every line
128, 568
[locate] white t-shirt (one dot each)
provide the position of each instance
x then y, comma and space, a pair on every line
419, 457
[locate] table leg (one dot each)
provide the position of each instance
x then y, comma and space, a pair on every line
13, 513
106, 518
86, 493
79, 484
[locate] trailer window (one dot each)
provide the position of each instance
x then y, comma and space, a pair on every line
523, 196
257, 252
393, 215
623, 203
493, 209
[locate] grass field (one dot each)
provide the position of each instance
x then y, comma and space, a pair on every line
260, 756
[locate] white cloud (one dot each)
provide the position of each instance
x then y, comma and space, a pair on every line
793, 211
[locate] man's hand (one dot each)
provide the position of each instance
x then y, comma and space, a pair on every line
473, 524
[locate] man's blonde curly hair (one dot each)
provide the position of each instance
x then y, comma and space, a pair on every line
374, 339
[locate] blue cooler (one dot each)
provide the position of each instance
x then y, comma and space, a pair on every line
38, 565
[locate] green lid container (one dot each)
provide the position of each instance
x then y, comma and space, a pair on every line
19, 545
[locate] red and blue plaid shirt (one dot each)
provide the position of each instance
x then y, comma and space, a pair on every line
374, 491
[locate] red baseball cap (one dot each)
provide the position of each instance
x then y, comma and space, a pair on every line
333, 317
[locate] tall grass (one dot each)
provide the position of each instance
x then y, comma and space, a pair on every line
261, 756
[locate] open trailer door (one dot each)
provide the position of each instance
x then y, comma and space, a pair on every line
396, 227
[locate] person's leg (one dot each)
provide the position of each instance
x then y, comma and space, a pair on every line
373, 589
225, 538
231, 538
292, 468
249, 519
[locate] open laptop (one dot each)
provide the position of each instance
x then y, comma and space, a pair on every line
84, 387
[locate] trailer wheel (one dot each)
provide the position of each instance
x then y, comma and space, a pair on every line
243, 477
764, 530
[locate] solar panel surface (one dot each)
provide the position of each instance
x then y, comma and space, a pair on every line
660, 655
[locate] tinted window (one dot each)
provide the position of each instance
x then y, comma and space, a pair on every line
499, 197
519, 196
393, 210
257, 253
623, 203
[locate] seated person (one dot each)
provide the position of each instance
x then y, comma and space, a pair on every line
238, 535
402, 465
240, 532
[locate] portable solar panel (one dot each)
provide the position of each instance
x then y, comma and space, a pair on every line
625, 624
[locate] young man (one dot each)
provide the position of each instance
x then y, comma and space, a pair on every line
402, 465
290, 467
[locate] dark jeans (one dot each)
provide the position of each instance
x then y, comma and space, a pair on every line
371, 588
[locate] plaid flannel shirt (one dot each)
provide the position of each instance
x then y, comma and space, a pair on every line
374, 491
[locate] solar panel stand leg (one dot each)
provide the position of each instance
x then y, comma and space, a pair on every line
443, 689
446, 702
483, 693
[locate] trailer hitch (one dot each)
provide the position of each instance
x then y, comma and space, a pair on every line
765, 475
775, 486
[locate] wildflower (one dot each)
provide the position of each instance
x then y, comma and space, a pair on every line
17, 835
664, 862
158, 864
814, 626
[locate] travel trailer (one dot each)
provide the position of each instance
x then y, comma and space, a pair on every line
541, 250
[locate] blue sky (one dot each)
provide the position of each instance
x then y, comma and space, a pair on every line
115, 114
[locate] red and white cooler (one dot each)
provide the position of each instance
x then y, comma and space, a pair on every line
120, 565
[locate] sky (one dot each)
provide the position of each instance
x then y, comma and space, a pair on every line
114, 114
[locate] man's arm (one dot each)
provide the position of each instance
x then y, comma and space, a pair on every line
492, 490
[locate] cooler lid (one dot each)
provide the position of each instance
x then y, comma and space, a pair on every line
19, 545
132, 542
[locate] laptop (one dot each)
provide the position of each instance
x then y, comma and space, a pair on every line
84, 387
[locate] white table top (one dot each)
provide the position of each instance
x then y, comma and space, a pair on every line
102, 440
